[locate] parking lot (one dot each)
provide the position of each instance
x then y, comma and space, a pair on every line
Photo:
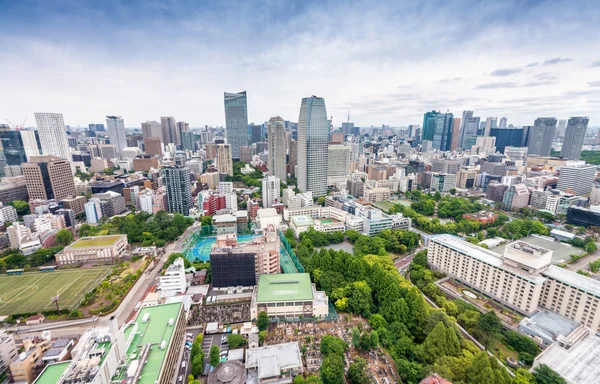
210, 340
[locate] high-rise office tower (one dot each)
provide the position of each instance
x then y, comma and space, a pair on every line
503, 122
576, 177
338, 164
153, 146
179, 193
507, 137
152, 129
270, 191
490, 122
541, 136
455, 130
187, 140
313, 135
347, 128
49, 177
169, 130
574, 135
224, 159
256, 132
437, 128
468, 130
562, 125
292, 157
236, 121
18, 146
53, 135
182, 126
276, 129
116, 132
411, 130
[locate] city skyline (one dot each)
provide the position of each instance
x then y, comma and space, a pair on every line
376, 64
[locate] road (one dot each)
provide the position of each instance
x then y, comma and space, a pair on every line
584, 261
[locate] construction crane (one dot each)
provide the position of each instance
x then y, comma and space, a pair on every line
17, 127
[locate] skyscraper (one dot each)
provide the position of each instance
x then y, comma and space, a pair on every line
179, 194
169, 130
256, 133
182, 126
224, 159
455, 131
116, 132
270, 191
236, 121
53, 135
49, 177
490, 122
293, 157
187, 140
562, 125
503, 122
468, 130
437, 127
574, 135
17, 146
276, 129
507, 137
152, 129
313, 135
541, 136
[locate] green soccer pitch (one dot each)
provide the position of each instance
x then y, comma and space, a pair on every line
32, 292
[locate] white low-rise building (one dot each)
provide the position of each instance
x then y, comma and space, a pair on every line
173, 281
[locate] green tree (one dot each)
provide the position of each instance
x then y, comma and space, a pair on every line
545, 375
235, 341
190, 378
263, 321
333, 345
441, 341
486, 369
64, 237
355, 337
22, 207
421, 258
489, 326
206, 220
214, 355
262, 336
198, 363
321, 201
196, 349
332, 369
357, 372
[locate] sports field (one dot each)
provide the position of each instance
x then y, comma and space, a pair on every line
31, 292
201, 250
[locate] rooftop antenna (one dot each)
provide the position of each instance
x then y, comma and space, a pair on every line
348, 117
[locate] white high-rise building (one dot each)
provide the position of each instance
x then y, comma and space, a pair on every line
231, 202
270, 191
16, 232
93, 211
225, 187
576, 177
116, 132
53, 135
490, 122
152, 129
30, 144
338, 163
313, 137
276, 131
146, 201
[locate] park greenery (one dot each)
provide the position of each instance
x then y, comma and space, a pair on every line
253, 179
13, 259
142, 228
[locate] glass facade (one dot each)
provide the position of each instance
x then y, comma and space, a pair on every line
437, 127
236, 121
507, 137
313, 139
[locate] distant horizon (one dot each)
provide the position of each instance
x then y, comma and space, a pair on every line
388, 63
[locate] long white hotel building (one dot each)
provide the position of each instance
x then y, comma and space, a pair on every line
522, 279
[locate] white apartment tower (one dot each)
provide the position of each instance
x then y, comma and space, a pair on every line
93, 211
313, 137
53, 135
173, 281
116, 132
577, 177
276, 131
270, 191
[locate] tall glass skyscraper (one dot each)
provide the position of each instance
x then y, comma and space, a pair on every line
468, 130
313, 137
541, 136
18, 146
276, 129
236, 121
574, 135
437, 127
116, 132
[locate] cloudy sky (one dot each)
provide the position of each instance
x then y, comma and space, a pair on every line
385, 63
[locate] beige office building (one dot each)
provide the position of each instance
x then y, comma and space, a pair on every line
224, 159
523, 278
48, 177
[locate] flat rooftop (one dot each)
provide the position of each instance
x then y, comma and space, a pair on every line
547, 325
96, 241
560, 251
471, 250
284, 287
573, 279
52, 373
302, 221
578, 365
272, 359
154, 331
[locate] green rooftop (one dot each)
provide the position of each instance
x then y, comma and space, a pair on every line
302, 220
95, 241
52, 373
284, 287
154, 331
